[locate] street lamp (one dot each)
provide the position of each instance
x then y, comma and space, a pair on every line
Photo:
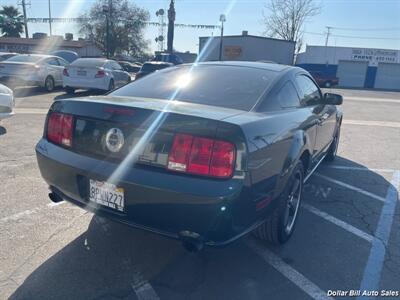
106, 12
222, 19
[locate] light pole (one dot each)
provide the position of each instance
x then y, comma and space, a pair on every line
106, 11
222, 19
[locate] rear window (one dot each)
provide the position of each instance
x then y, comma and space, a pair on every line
25, 58
87, 62
224, 86
153, 67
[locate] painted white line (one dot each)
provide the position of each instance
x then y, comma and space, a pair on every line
372, 123
351, 187
375, 100
31, 111
294, 276
358, 168
28, 212
373, 269
144, 291
361, 234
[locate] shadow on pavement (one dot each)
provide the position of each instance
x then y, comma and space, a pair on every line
29, 91
79, 94
109, 258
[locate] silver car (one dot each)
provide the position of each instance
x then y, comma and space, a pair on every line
33, 69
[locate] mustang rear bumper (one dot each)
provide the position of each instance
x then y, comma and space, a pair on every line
155, 200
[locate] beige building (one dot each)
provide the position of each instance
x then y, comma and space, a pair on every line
48, 44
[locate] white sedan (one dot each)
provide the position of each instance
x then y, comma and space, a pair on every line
6, 102
33, 69
94, 73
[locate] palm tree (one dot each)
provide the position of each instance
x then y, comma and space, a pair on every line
11, 21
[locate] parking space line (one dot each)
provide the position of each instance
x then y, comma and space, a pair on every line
369, 238
28, 212
372, 123
144, 291
375, 100
373, 269
358, 169
294, 276
31, 111
351, 187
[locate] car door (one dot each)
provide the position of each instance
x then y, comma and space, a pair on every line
54, 69
120, 76
323, 115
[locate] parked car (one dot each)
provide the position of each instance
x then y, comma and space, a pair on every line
6, 102
6, 55
129, 67
166, 57
94, 73
203, 153
68, 55
33, 69
324, 80
150, 67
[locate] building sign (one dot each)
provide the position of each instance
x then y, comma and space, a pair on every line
375, 56
232, 52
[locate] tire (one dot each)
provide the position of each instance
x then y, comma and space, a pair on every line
328, 84
331, 154
279, 227
49, 84
111, 85
69, 90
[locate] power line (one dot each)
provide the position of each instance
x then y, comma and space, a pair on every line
367, 29
353, 36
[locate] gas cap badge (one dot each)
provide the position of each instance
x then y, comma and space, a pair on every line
114, 140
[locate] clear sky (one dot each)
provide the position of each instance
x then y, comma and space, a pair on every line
363, 23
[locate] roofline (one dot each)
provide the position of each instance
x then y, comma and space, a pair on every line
249, 35
351, 48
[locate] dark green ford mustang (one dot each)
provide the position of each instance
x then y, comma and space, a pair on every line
204, 153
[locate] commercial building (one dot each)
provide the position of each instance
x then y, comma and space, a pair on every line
48, 44
354, 67
246, 48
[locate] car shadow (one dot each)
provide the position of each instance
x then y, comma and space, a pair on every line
3, 130
109, 260
29, 91
80, 93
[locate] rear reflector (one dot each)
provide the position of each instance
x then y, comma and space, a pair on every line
202, 156
59, 129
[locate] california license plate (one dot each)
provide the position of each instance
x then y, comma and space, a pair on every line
107, 194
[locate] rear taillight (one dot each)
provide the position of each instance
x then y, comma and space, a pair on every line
202, 156
100, 73
60, 128
65, 72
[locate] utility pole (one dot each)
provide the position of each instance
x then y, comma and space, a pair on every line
328, 33
171, 24
50, 17
25, 22
222, 19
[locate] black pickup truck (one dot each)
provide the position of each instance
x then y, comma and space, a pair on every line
204, 153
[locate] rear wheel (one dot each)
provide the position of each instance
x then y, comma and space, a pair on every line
49, 84
69, 90
331, 154
111, 85
279, 227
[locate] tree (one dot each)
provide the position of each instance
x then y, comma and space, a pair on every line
126, 25
286, 18
11, 21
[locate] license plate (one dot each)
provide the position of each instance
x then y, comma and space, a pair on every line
81, 73
107, 194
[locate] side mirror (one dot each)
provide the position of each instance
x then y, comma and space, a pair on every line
333, 99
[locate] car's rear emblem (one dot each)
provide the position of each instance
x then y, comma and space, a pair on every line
114, 140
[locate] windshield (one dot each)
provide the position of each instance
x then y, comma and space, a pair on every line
88, 62
25, 58
225, 86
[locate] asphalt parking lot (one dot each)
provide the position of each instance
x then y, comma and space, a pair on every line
347, 237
